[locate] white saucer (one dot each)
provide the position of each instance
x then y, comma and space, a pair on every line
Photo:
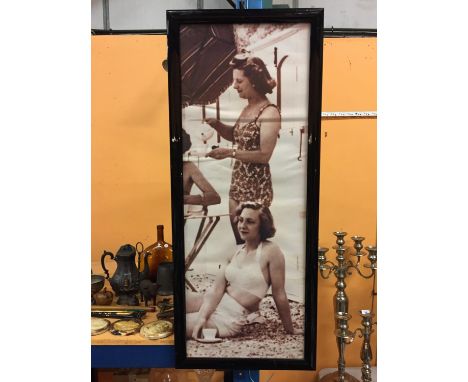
209, 340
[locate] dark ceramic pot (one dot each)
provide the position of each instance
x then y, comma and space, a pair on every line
103, 297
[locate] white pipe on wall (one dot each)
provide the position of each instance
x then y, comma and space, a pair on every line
151, 14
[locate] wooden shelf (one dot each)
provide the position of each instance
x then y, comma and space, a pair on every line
133, 351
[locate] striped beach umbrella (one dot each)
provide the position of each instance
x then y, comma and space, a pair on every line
205, 51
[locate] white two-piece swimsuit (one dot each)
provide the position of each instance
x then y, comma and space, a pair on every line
230, 316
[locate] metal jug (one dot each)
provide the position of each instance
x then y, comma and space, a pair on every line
126, 279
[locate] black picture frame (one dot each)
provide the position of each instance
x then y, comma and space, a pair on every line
314, 19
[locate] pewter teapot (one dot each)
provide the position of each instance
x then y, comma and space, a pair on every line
126, 279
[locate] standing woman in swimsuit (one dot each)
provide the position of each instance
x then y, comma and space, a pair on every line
255, 134
241, 285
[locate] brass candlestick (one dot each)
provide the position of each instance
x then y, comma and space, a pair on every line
341, 269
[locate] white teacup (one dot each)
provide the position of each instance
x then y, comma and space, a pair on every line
209, 334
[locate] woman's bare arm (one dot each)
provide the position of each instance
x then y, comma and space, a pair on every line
225, 131
276, 266
209, 195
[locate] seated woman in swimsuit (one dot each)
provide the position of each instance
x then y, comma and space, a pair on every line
241, 285
192, 175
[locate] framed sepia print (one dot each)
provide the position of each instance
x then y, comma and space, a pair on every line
245, 104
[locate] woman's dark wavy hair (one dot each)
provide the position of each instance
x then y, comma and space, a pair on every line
267, 226
255, 70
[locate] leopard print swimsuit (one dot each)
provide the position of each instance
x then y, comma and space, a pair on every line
250, 181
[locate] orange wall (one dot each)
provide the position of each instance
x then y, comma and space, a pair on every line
131, 173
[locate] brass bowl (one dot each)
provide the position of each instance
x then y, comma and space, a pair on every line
97, 283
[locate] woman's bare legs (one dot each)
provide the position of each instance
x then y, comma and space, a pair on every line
232, 217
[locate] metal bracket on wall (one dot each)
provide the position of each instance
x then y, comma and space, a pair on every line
348, 114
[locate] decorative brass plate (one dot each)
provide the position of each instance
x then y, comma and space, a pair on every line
126, 327
99, 325
156, 330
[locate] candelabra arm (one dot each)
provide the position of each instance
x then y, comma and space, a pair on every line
361, 333
324, 267
325, 276
362, 274
351, 337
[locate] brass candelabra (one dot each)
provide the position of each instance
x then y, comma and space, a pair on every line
341, 269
